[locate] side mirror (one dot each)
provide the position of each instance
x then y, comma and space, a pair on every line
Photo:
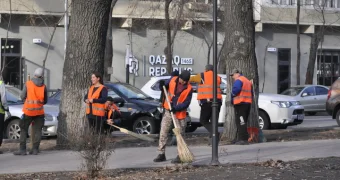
304, 94
119, 101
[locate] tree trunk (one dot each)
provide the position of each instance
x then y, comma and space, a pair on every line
239, 53
298, 49
108, 45
168, 48
314, 43
84, 55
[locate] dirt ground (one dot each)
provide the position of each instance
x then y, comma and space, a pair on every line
200, 139
323, 168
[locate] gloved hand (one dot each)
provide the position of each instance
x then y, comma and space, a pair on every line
173, 109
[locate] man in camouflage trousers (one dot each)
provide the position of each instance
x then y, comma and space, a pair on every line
180, 94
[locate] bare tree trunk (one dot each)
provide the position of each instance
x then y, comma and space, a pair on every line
168, 49
108, 45
209, 52
84, 55
314, 43
298, 48
240, 53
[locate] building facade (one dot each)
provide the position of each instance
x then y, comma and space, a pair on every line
139, 39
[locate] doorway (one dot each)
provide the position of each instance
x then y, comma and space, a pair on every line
11, 62
283, 73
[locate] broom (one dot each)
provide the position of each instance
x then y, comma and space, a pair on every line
184, 152
139, 136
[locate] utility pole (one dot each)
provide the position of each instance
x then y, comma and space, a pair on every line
214, 159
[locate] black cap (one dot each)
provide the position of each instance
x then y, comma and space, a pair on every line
185, 75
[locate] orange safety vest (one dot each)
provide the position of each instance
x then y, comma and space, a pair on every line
34, 104
181, 115
98, 109
205, 88
114, 107
245, 95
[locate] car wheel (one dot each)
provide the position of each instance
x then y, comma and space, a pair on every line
144, 125
338, 117
13, 129
190, 129
311, 113
264, 122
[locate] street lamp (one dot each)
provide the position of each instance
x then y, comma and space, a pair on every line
214, 159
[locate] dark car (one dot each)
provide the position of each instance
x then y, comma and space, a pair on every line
140, 112
333, 101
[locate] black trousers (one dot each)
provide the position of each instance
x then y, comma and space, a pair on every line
38, 125
206, 115
242, 112
2, 126
96, 123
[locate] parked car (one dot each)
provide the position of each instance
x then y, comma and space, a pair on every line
12, 129
140, 112
275, 111
333, 101
312, 97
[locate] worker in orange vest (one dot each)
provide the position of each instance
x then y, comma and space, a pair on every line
95, 101
34, 96
205, 96
180, 94
242, 97
113, 113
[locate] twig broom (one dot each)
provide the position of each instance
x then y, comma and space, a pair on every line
139, 136
184, 152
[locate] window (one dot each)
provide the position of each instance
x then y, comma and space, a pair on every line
321, 90
310, 91
284, 2
112, 94
328, 69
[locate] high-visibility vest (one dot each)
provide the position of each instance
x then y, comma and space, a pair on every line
115, 108
183, 96
205, 88
34, 103
98, 109
245, 96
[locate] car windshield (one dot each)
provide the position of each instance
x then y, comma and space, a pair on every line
13, 95
131, 92
292, 91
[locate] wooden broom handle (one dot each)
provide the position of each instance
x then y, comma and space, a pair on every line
167, 100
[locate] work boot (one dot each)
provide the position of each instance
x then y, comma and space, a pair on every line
21, 152
177, 160
34, 152
242, 143
160, 158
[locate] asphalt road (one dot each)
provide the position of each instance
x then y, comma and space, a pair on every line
321, 120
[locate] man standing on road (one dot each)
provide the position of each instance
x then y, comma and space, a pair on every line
241, 99
180, 94
3, 110
205, 96
34, 96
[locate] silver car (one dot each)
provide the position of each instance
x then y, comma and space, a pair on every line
12, 129
312, 97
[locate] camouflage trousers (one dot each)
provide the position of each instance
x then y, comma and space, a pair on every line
166, 124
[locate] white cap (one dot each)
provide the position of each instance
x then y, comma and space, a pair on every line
39, 72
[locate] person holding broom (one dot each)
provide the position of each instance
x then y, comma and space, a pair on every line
242, 97
180, 94
113, 113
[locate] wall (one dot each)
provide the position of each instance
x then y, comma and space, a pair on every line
35, 53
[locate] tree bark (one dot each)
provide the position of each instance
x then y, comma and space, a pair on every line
84, 55
298, 48
168, 48
108, 45
239, 53
314, 43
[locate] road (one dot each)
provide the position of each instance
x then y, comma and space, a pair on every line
321, 120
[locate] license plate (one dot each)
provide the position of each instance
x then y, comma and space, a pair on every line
300, 116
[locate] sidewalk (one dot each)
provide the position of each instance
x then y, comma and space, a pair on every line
49, 161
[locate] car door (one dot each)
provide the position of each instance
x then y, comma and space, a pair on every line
321, 97
308, 99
